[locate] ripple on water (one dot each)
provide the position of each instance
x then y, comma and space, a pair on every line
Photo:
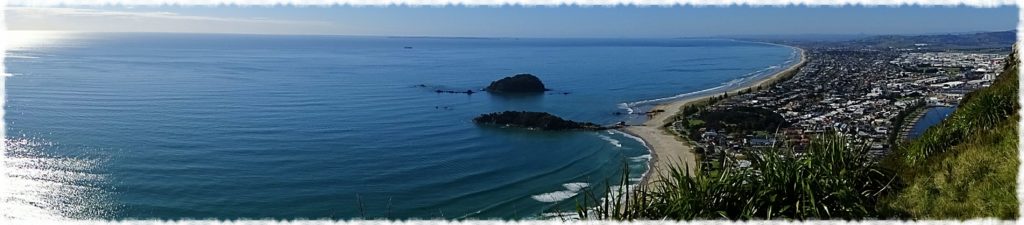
43, 186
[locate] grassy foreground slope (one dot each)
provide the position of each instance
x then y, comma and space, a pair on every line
966, 166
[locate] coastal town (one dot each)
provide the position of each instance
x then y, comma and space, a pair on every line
871, 95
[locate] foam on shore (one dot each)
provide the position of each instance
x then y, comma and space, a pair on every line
630, 136
739, 81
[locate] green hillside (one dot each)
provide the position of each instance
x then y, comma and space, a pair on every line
966, 166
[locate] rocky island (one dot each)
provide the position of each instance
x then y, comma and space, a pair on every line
534, 120
520, 83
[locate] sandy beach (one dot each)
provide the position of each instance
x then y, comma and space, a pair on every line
669, 149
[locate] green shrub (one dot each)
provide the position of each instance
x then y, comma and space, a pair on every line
833, 179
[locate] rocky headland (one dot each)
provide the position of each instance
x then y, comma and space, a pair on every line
534, 120
520, 83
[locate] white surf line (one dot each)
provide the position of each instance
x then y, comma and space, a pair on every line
748, 78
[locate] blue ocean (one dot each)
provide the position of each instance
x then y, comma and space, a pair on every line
172, 126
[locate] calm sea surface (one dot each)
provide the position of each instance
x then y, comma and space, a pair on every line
931, 116
254, 126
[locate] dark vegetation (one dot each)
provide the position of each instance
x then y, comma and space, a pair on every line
833, 180
741, 119
520, 83
534, 120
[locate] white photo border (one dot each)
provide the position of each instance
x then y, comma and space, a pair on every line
499, 3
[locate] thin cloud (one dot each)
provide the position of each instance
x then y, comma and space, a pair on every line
29, 11
80, 19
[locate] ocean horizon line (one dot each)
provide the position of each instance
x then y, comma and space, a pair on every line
737, 37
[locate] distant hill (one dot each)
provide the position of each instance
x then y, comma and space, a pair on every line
797, 37
998, 41
982, 40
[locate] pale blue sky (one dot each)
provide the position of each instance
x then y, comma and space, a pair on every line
520, 21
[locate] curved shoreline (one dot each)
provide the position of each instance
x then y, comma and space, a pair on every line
908, 125
666, 147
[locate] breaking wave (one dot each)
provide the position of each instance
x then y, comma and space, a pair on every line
575, 187
611, 140
571, 190
630, 136
641, 158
